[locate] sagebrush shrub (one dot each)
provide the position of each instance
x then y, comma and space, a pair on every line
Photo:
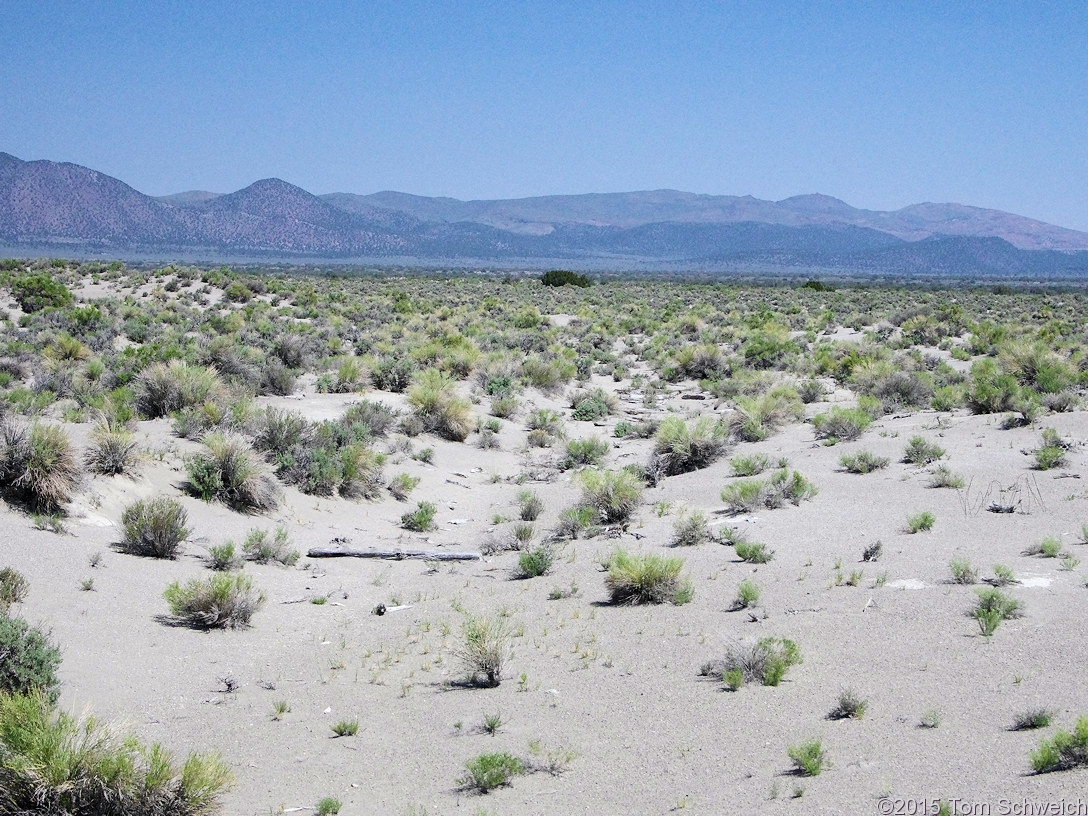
841, 424
484, 649
163, 388
154, 527
765, 661
37, 464
13, 588
682, 447
28, 662
647, 578
229, 470
113, 450
224, 600
614, 494
489, 771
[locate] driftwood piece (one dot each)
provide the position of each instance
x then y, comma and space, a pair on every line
395, 555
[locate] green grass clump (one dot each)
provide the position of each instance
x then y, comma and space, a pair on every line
346, 728
38, 465
753, 552
920, 452
113, 450
437, 406
614, 494
647, 578
489, 771
225, 600
228, 470
328, 806
264, 547
484, 650
1032, 718
944, 477
1062, 751
744, 495
224, 557
751, 465
592, 405
582, 452
1049, 547
850, 706
921, 522
535, 562
1049, 456
809, 758
862, 462
681, 447
748, 594
690, 529
992, 608
962, 571
421, 519
154, 527
163, 388
401, 485
765, 661
841, 424
51, 762
530, 505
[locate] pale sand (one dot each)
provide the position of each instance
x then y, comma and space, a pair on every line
619, 686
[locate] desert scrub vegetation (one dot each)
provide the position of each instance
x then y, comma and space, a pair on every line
438, 408
841, 424
920, 522
264, 547
592, 405
221, 601
421, 519
920, 452
765, 661
52, 762
582, 452
746, 495
690, 528
486, 772
749, 465
113, 450
943, 476
681, 447
1062, 751
530, 505
28, 660
992, 608
154, 527
613, 494
228, 470
756, 418
862, 462
849, 706
163, 388
13, 588
38, 465
484, 649
537, 561
646, 578
809, 758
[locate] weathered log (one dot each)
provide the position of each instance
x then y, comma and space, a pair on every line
395, 555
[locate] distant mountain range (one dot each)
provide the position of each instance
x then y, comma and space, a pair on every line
54, 206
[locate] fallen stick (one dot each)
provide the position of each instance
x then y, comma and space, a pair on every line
396, 555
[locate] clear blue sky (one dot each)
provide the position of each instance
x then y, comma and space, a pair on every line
881, 104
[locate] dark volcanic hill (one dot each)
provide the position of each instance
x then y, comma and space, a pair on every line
47, 205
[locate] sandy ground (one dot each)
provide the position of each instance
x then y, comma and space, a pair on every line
618, 685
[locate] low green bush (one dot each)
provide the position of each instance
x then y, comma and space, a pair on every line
647, 578
154, 527
1063, 750
28, 661
224, 600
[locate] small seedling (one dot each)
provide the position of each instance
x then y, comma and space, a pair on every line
279, 709
492, 723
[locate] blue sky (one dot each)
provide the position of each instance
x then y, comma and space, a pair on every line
881, 104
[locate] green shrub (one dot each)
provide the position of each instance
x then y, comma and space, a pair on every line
647, 578
39, 291
224, 600
13, 588
113, 449
690, 529
154, 527
756, 418
229, 471
401, 485
592, 405
748, 594
563, 277
37, 465
1049, 456
436, 405
1032, 718
809, 758
224, 557
421, 519
920, 522
485, 649
793, 488
280, 430
962, 571
28, 661
1062, 751
264, 547
163, 388
1049, 547
360, 472
751, 465
920, 452
993, 607
581, 452
744, 495
52, 763
850, 706
765, 661
489, 771
681, 447
841, 424
753, 552
329, 806
862, 462
944, 477
613, 494
530, 505
346, 728
536, 562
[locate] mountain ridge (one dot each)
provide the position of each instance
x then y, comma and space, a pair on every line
57, 204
